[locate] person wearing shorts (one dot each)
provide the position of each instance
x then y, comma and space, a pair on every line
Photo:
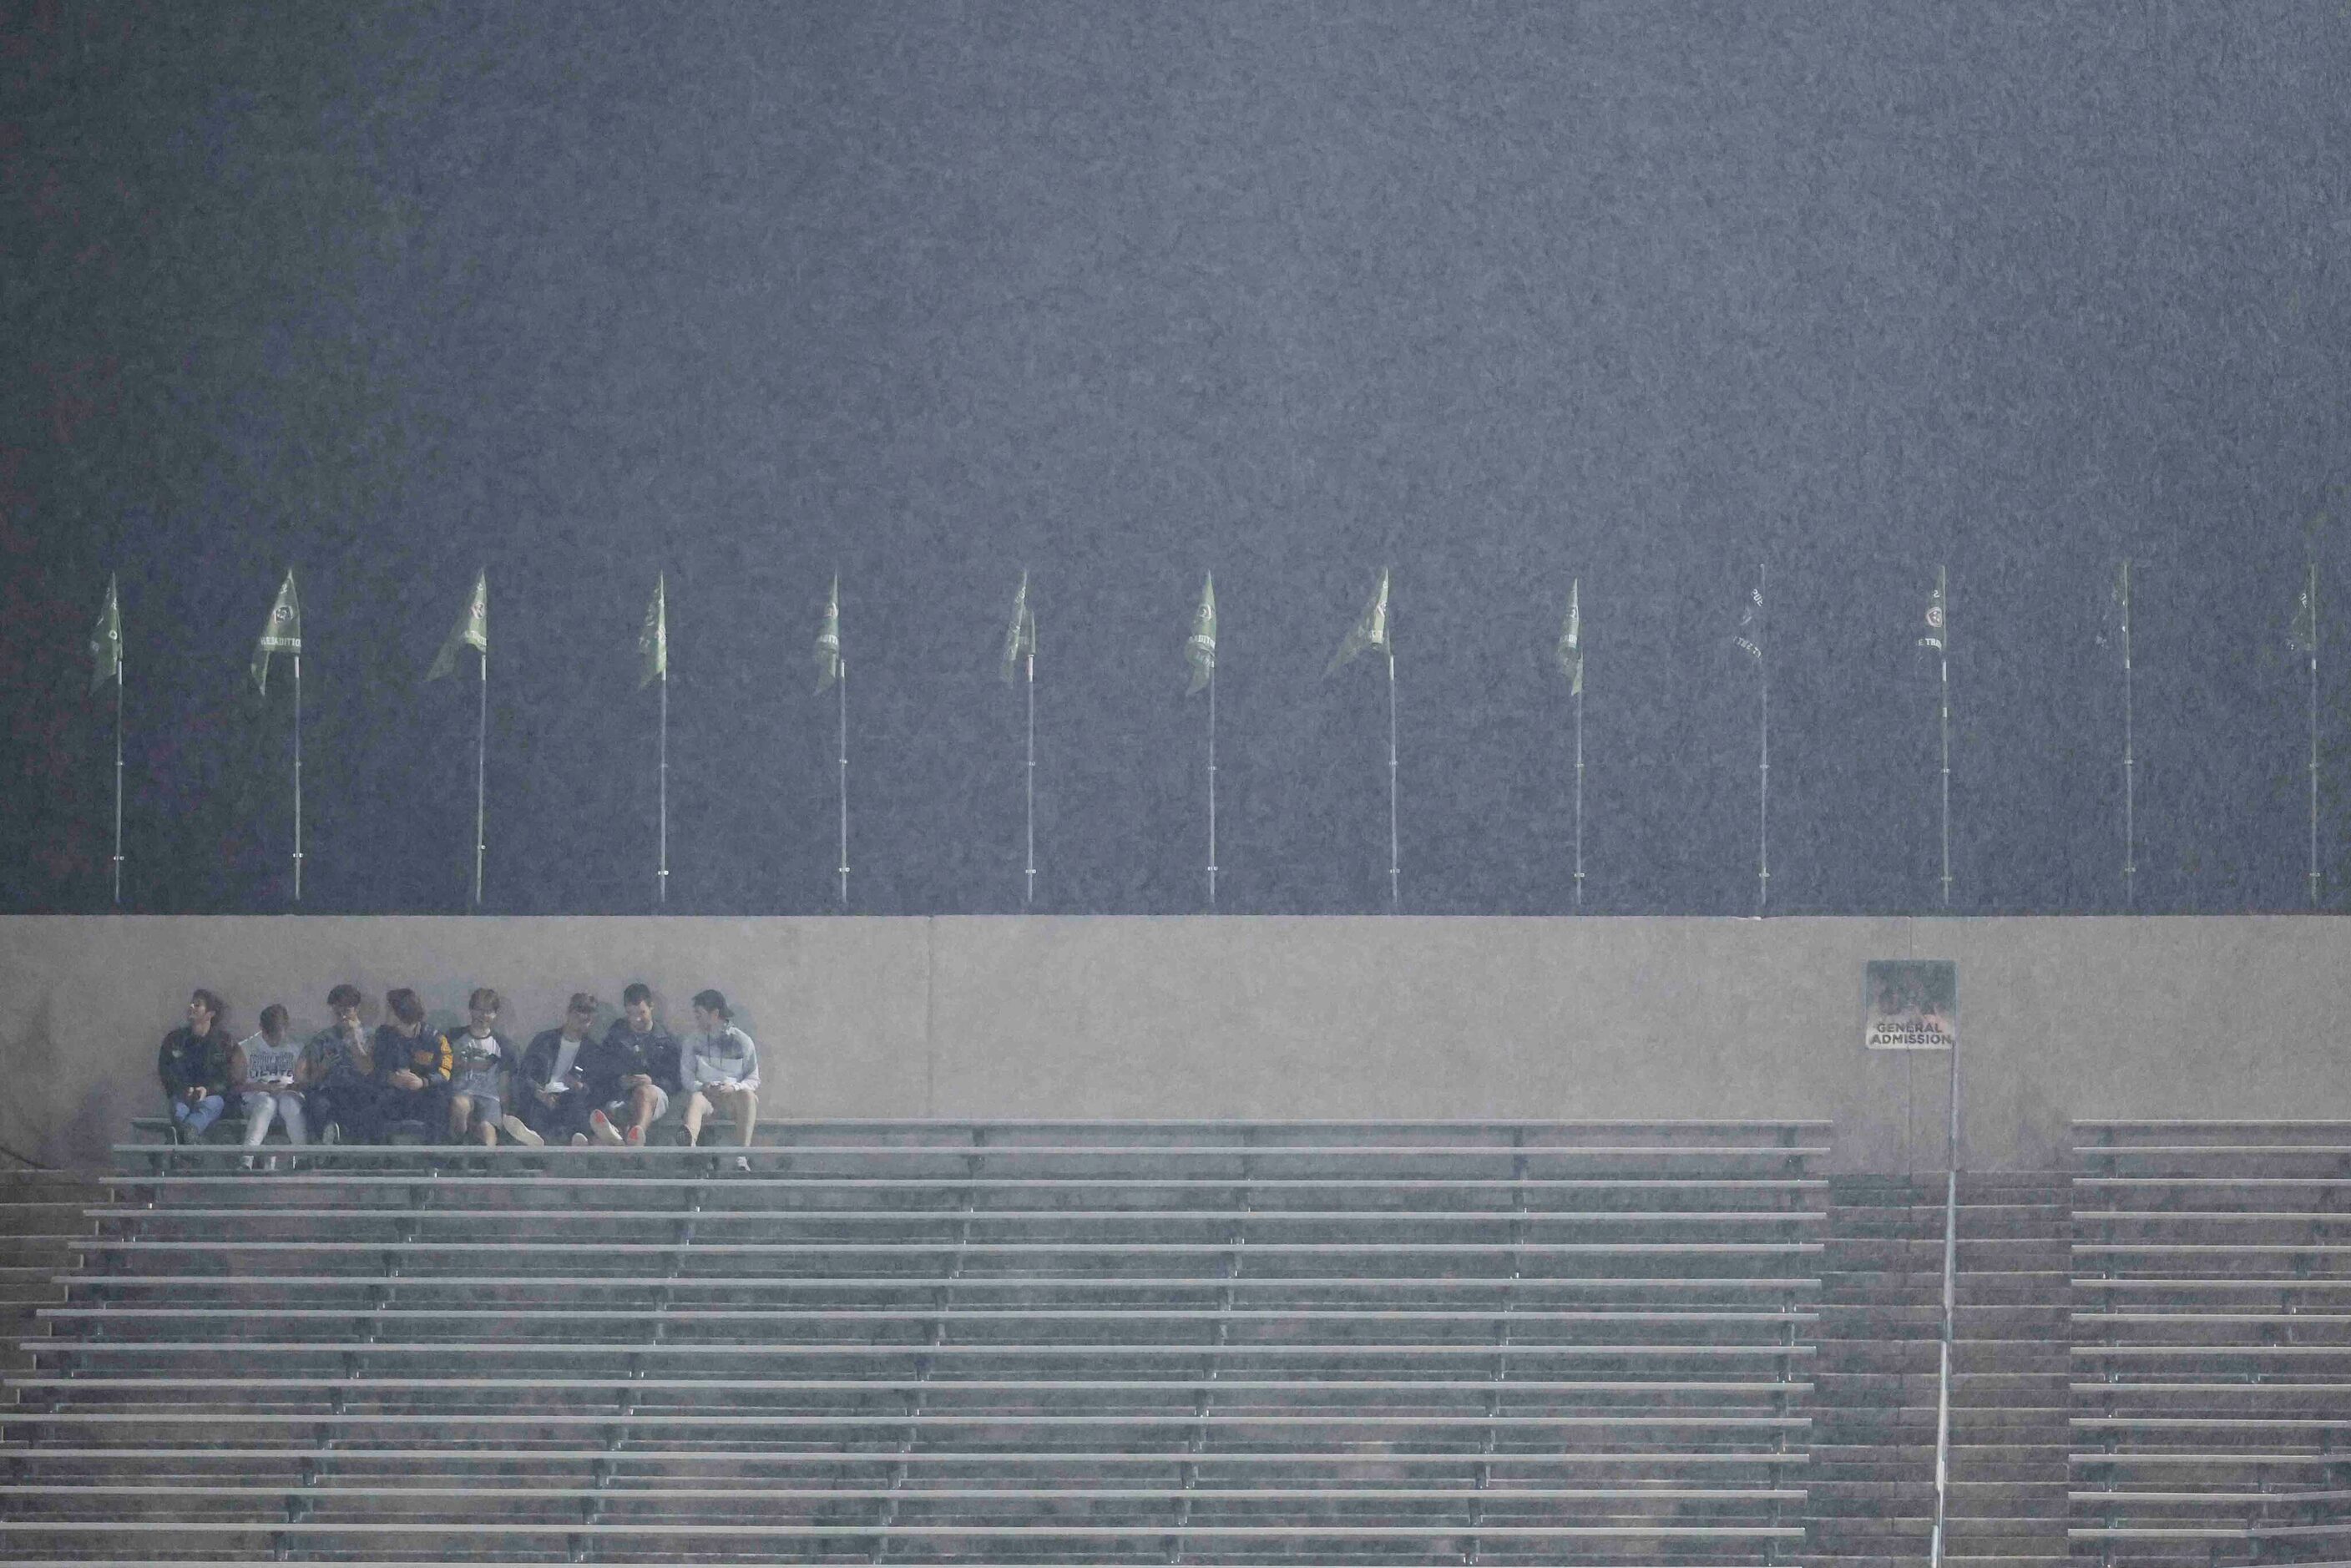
633, 1071
719, 1066
480, 1059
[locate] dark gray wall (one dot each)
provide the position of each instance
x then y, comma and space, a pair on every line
1280, 1018
1499, 294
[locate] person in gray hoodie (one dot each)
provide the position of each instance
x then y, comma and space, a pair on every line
718, 1068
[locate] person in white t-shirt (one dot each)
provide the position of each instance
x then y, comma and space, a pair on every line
548, 1103
267, 1068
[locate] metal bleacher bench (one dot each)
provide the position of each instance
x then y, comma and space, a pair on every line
1211, 1343
2213, 1341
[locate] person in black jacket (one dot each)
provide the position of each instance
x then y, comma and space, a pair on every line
193, 1064
415, 1065
632, 1072
549, 1087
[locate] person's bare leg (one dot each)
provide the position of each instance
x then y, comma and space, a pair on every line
487, 1135
746, 1116
697, 1107
461, 1112
641, 1109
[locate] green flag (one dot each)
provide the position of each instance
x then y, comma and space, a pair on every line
106, 640
1750, 635
653, 642
1371, 630
1936, 637
1200, 647
1571, 640
472, 631
281, 634
1022, 636
2303, 634
828, 639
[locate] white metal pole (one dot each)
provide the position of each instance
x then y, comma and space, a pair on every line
1028, 888
481, 777
661, 876
1763, 765
1950, 1299
1579, 799
2313, 734
1396, 893
2130, 824
298, 777
1212, 789
1943, 633
842, 677
118, 774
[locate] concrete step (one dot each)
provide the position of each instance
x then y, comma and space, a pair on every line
1895, 1255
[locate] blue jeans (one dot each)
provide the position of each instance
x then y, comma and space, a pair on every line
194, 1119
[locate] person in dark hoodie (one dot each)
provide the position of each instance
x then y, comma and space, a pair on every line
414, 1064
338, 1069
193, 1064
633, 1071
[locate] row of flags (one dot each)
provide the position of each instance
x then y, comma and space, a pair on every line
1371, 632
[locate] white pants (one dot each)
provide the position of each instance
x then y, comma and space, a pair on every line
286, 1104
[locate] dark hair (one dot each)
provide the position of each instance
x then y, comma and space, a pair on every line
638, 991
273, 1015
345, 996
404, 1005
713, 1001
485, 998
583, 1002
212, 1005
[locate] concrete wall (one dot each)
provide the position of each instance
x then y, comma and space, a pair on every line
1273, 1018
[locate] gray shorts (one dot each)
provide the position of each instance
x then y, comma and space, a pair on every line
488, 1110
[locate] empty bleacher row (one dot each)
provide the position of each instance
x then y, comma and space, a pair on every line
2212, 1341
942, 1341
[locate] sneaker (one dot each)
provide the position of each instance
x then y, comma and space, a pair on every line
601, 1125
636, 1137
244, 1161
272, 1167
743, 1163
520, 1131
578, 1140
333, 1135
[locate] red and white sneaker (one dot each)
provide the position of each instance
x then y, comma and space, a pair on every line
636, 1137
601, 1125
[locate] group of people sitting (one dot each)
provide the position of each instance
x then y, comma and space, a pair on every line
565, 1086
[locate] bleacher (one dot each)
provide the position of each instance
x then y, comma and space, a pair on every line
2212, 1341
1211, 1342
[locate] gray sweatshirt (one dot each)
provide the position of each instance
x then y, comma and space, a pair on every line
716, 1058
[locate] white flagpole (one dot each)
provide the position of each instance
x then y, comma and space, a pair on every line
661, 876
1029, 890
2313, 591
1943, 635
1212, 789
481, 777
841, 676
1395, 895
298, 776
1764, 773
118, 773
1579, 797
2130, 820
